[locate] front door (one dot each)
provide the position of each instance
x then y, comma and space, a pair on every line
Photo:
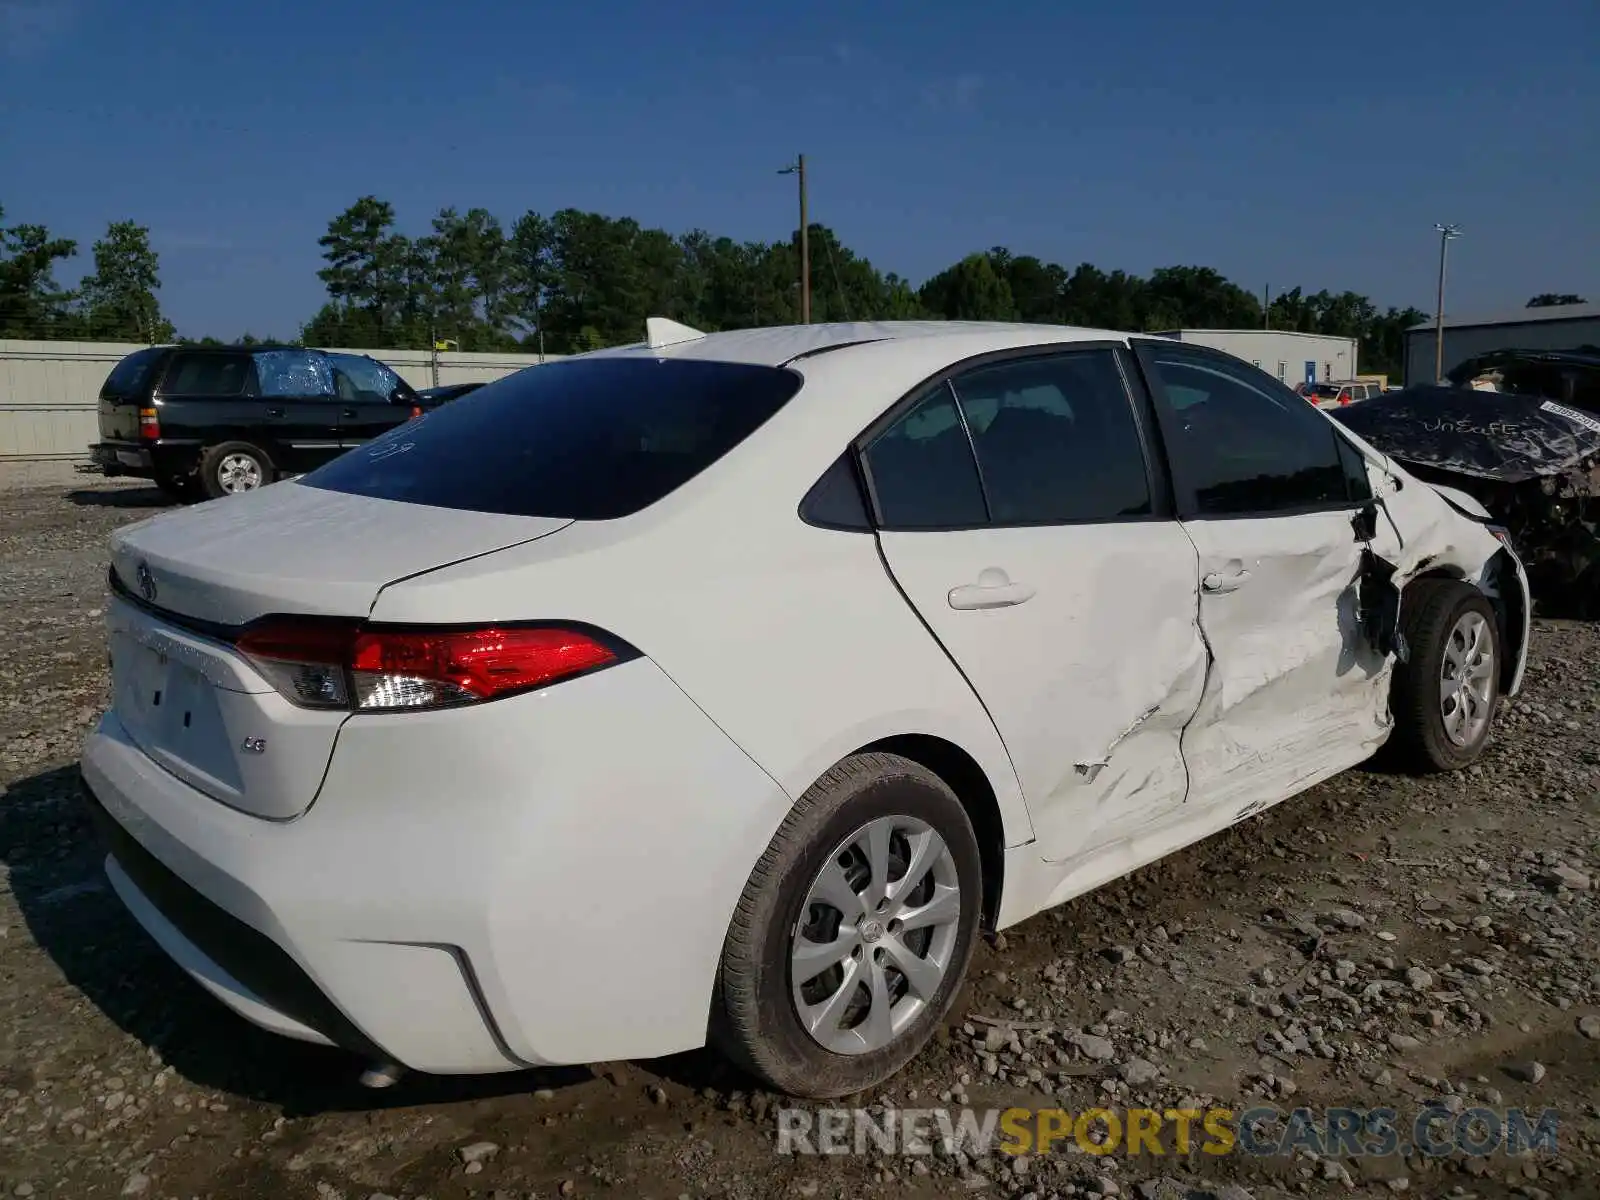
302, 416
1268, 493
1019, 515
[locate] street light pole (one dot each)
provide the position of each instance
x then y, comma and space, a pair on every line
1447, 233
799, 168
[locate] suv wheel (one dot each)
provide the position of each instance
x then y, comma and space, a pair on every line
854, 932
234, 467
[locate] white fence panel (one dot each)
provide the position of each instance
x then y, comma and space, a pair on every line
49, 390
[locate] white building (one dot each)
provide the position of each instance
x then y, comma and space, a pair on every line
1558, 327
1285, 355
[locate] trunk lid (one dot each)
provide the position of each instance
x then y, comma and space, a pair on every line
291, 548
194, 704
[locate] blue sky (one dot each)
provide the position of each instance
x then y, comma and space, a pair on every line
1281, 143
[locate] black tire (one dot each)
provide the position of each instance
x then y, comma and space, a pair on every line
1429, 612
218, 458
754, 1021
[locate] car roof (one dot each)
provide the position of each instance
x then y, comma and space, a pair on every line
776, 346
253, 348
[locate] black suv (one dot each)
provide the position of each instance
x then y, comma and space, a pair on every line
208, 421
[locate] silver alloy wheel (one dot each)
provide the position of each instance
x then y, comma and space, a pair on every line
876, 936
1466, 679
238, 473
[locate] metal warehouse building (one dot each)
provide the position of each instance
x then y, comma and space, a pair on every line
1286, 355
1558, 327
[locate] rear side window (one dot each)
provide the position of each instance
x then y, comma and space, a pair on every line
130, 376
593, 439
923, 473
206, 375
1056, 439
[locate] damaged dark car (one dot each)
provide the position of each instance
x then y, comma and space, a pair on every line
1519, 431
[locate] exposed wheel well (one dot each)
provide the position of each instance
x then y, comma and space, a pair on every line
966, 779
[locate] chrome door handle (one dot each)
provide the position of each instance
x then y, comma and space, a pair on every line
1216, 583
993, 589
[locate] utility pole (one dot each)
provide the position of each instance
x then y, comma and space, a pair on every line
1447, 234
1266, 302
799, 168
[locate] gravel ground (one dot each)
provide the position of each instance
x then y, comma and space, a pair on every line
1379, 941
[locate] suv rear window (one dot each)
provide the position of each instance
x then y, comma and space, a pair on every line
592, 439
128, 377
206, 374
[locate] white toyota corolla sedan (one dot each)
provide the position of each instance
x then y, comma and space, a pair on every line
728, 686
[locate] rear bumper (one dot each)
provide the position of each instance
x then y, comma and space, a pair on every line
122, 458
146, 460
472, 891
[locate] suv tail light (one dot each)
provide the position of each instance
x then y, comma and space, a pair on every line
149, 424
322, 664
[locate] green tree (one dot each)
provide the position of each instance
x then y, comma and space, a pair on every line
529, 274
118, 299
1551, 299
971, 290
31, 304
368, 277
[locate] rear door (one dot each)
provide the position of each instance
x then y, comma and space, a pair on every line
301, 409
1268, 492
372, 398
209, 396
1019, 513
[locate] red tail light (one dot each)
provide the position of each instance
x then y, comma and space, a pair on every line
416, 411
149, 424
320, 664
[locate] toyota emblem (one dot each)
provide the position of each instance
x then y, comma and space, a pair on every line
147, 582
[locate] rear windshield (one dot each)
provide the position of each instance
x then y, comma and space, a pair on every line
592, 439
128, 377
1326, 390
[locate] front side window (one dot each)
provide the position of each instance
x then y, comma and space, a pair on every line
1358, 484
592, 439
1056, 439
298, 373
206, 375
358, 379
922, 470
1247, 447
